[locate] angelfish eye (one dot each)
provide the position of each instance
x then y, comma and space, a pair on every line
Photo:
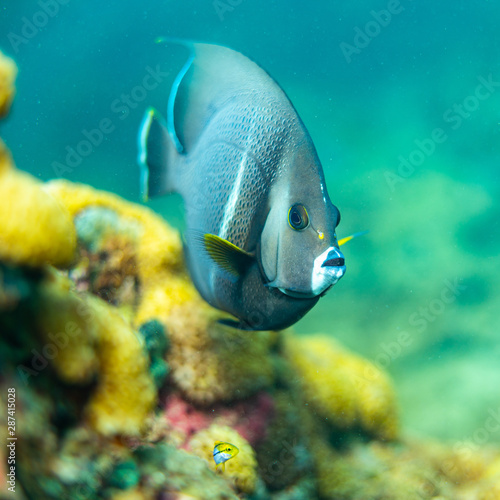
297, 217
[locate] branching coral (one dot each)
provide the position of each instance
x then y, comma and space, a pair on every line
175, 474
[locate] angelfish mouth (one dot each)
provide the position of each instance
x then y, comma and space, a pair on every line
335, 262
329, 267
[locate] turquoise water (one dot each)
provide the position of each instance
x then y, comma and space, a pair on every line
402, 100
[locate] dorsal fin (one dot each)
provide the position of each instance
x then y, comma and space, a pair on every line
174, 90
211, 76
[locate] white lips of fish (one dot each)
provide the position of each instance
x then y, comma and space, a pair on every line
322, 277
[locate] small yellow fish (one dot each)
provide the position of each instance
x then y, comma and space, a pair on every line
223, 452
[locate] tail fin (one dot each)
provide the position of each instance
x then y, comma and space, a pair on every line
156, 155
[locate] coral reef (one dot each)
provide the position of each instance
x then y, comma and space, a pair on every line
213, 363
342, 387
86, 342
156, 345
36, 229
409, 470
124, 379
158, 252
250, 417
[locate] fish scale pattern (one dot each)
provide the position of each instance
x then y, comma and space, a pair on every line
241, 152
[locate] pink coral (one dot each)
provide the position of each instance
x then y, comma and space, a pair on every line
250, 417
253, 417
184, 417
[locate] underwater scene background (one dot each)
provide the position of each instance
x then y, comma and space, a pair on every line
404, 111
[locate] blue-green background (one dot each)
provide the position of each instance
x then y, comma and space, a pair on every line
438, 225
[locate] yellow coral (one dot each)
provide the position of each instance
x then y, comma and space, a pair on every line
134, 494
8, 72
64, 318
406, 470
209, 362
213, 363
91, 338
241, 471
342, 387
493, 470
35, 228
126, 392
377, 470
159, 250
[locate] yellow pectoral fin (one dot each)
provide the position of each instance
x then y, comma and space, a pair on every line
227, 255
343, 241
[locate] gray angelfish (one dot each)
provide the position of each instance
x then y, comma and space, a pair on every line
260, 238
